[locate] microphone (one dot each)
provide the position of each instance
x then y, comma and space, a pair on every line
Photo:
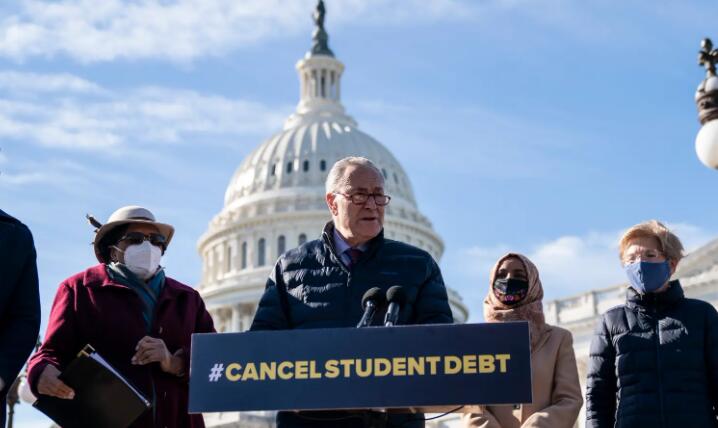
371, 301
396, 298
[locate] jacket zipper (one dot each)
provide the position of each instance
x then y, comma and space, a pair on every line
658, 367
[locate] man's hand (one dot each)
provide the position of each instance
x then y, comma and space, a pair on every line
50, 384
153, 350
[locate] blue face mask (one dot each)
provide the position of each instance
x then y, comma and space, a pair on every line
647, 277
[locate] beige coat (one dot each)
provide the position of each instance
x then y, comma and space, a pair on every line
556, 391
554, 376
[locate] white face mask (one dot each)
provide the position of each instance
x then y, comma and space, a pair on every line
143, 259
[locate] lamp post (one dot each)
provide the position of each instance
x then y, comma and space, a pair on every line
707, 103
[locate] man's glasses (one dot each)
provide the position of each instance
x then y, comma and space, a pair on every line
137, 238
361, 198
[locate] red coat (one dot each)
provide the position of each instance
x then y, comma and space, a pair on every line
90, 308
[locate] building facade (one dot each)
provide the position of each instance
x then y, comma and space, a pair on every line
276, 201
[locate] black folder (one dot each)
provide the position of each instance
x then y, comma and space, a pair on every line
103, 397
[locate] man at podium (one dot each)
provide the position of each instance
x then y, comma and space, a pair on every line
321, 283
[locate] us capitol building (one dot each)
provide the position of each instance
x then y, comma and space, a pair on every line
275, 201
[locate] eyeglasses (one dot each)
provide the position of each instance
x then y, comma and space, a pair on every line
361, 198
642, 255
137, 238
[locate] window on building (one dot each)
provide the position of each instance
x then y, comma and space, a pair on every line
289, 167
383, 171
261, 256
302, 239
323, 165
244, 255
305, 166
281, 245
228, 259
274, 169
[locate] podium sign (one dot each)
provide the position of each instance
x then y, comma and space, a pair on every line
352, 368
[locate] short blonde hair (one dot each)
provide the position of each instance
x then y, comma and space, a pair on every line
670, 244
335, 178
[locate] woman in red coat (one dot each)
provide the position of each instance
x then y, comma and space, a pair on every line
137, 319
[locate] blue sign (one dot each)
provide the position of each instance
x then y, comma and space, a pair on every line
352, 368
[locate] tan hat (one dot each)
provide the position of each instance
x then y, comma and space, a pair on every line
129, 215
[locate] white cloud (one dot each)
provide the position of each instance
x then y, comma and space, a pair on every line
65, 111
35, 82
182, 30
569, 264
55, 173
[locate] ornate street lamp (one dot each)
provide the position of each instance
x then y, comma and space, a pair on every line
707, 102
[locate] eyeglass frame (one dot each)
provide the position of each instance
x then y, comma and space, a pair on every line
367, 195
135, 239
643, 256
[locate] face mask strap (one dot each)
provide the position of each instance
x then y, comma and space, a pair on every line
116, 248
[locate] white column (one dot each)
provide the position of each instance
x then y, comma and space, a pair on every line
247, 317
338, 85
236, 321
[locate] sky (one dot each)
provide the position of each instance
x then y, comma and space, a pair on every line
540, 126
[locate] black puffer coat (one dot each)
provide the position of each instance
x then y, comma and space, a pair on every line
311, 288
19, 301
654, 363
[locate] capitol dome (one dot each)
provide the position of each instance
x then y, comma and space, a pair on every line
275, 199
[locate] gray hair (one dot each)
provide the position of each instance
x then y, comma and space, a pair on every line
336, 174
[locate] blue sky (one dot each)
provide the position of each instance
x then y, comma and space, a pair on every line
541, 126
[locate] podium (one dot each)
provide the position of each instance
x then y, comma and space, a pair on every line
424, 368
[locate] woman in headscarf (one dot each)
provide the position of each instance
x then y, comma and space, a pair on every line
136, 318
515, 294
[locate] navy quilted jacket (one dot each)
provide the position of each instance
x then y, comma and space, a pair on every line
654, 363
311, 288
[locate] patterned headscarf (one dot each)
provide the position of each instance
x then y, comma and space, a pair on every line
529, 309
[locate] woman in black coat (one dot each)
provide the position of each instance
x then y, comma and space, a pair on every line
654, 360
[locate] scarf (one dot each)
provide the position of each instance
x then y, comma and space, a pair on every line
148, 292
529, 309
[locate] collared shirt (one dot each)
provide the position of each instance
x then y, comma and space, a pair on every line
342, 246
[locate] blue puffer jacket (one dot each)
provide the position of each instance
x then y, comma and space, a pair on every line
654, 363
311, 288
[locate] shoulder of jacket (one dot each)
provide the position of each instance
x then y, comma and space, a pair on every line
403, 248
558, 331
89, 277
617, 310
6, 220
302, 251
179, 286
699, 304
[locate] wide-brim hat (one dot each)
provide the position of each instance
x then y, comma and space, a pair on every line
130, 214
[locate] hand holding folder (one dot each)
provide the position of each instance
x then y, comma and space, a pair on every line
103, 397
